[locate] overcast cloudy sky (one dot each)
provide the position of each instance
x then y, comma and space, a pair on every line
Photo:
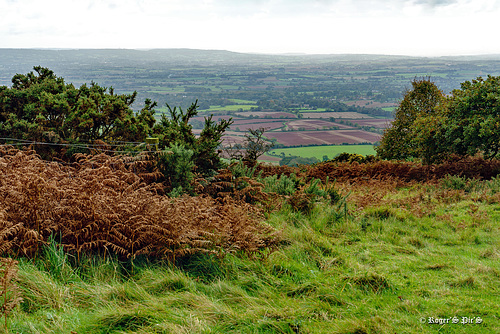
406, 27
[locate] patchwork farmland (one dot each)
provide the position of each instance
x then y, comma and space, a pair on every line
376, 123
343, 115
315, 124
338, 137
304, 128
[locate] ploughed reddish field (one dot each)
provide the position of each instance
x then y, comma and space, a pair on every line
333, 137
267, 114
313, 124
336, 115
376, 123
267, 125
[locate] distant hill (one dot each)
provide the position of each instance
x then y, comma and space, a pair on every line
70, 62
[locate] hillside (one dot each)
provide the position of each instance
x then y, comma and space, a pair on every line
389, 247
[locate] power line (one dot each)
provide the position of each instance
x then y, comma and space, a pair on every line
121, 143
99, 147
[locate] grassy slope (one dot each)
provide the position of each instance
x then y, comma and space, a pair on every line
401, 254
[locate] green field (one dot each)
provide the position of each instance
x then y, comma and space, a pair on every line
231, 107
239, 101
319, 151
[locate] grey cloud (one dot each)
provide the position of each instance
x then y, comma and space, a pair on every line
391, 3
283, 8
435, 3
287, 8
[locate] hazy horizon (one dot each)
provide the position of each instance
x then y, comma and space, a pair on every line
252, 53
387, 27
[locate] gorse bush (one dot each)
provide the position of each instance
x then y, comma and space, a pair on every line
281, 185
240, 169
353, 157
315, 189
248, 184
176, 130
176, 164
494, 185
460, 183
41, 107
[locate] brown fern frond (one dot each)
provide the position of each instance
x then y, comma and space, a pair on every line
100, 205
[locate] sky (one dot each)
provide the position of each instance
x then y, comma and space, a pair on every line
398, 27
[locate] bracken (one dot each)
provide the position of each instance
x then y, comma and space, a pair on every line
99, 206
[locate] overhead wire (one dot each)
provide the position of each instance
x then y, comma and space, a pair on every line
89, 145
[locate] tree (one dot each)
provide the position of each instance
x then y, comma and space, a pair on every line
252, 148
256, 144
41, 107
401, 140
473, 119
430, 126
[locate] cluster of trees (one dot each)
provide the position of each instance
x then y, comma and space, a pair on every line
41, 107
431, 125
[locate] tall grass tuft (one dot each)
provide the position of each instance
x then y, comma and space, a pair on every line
10, 295
55, 261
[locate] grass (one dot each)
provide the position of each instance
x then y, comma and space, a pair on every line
418, 252
231, 107
239, 101
330, 150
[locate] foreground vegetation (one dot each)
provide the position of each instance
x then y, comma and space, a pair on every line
377, 255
